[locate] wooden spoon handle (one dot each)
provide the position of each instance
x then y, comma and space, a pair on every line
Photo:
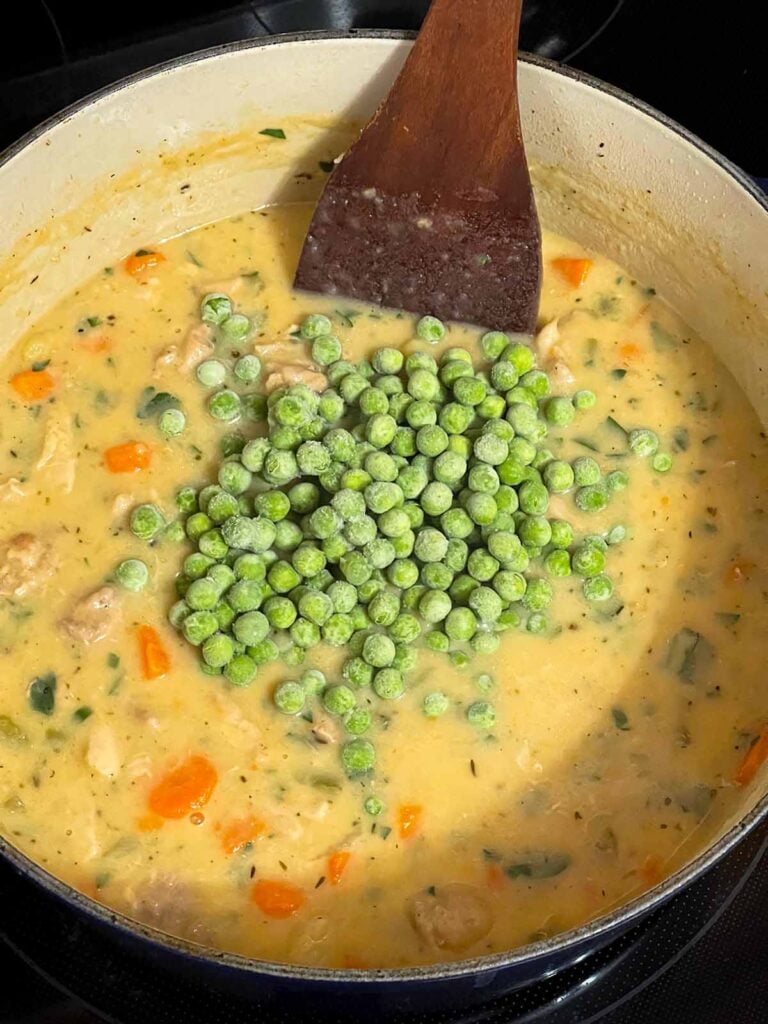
450, 127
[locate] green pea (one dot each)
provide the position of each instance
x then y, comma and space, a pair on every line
558, 563
211, 373
338, 629
598, 588
486, 604
358, 757
509, 585
584, 399
290, 698
373, 806
198, 626
172, 422
430, 329
559, 411
591, 499
132, 574
339, 700
482, 714
314, 325
147, 521
388, 684
215, 308
538, 594
643, 442
435, 704
461, 624
218, 650
558, 476
586, 471
224, 405
662, 462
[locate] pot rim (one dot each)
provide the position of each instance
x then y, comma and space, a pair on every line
626, 913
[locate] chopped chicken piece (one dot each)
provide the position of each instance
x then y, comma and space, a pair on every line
57, 457
552, 355
102, 753
325, 730
196, 347
231, 287
93, 617
12, 489
452, 916
295, 373
25, 564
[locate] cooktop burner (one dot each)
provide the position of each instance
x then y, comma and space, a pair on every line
699, 959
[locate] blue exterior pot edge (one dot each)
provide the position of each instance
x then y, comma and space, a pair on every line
468, 980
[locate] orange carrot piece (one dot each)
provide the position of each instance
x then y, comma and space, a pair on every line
753, 760
101, 343
276, 898
408, 820
149, 823
128, 458
575, 271
494, 877
155, 660
630, 352
143, 260
739, 571
353, 962
33, 385
337, 864
183, 789
650, 870
237, 834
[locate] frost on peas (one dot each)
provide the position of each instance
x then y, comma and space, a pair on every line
430, 329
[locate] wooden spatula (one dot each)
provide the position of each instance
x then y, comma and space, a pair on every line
431, 210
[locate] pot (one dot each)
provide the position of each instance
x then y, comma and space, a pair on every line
178, 145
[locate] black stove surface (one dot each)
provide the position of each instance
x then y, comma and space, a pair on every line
703, 959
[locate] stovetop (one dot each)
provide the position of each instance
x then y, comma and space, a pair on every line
702, 959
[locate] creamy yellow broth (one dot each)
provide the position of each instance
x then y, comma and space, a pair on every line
608, 752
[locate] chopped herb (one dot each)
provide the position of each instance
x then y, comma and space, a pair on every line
101, 879
696, 800
483, 260
109, 271
681, 439
431, 890
251, 275
491, 855
113, 660
688, 651
116, 684
40, 365
273, 133
10, 732
728, 618
662, 339
347, 316
87, 323
196, 452
539, 865
320, 881
80, 714
607, 841
615, 425
193, 259
619, 373
473, 767
586, 443
42, 693
607, 306
384, 831
326, 165
710, 439
620, 719
152, 403
650, 292
143, 252
592, 347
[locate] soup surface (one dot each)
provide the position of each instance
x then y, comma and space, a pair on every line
620, 729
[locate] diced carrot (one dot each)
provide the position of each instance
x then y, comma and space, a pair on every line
100, 343
575, 271
630, 352
128, 458
149, 823
337, 864
494, 877
143, 260
754, 758
650, 870
354, 963
276, 898
237, 834
33, 385
408, 820
183, 789
155, 660
739, 571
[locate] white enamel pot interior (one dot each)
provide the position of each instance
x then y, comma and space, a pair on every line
178, 146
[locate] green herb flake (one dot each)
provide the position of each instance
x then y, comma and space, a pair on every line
586, 443
273, 133
102, 879
619, 373
42, 693
347, 316
539, 865
10, 733
663, 340
39, 366
152, 403
728, 619
326, 165
113, 660
483, 260
620, 719
193, 259
384, 831
80, 714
